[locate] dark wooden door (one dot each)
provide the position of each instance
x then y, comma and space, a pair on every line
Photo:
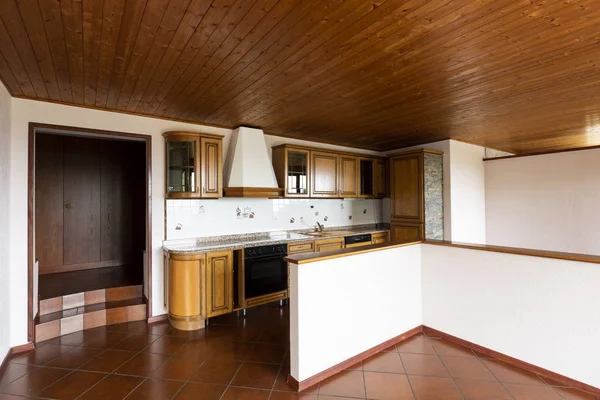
81, 201
49, 203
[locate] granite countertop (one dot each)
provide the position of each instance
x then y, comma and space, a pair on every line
238, 242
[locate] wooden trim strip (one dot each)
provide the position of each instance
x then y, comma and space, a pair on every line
321, 376
305, 258
158, 318
13, 351
79, 267
325, 150
519, 251
415, 151
253, 192
513, 361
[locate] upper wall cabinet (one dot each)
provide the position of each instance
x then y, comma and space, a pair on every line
292, 169
194, 165
325, 170
310, 172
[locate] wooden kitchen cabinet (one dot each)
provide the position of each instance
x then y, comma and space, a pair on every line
329, 244
292, 170
349, 176
211, 167
380, 237
219, 283
199, 286
305, 247
380, 178
324, 176
416, 188
194, 165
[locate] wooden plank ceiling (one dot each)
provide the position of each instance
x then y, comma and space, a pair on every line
516, 75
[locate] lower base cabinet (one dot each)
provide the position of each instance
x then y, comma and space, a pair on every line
199, 286
407, 232
380, 238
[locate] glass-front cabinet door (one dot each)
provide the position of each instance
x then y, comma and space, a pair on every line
297, 172
182, 166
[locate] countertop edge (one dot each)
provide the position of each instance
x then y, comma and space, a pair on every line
307, 258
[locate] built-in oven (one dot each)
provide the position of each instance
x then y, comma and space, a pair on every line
265, 274
358, 240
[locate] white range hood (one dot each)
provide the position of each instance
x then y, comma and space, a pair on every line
248, 170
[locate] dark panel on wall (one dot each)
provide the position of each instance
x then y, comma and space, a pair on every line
49, 201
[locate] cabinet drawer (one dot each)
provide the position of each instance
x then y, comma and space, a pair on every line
301, 247
378, 238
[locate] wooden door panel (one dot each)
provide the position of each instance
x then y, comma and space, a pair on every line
348, 176
324, 174
219, 283
81, 201
407, 232
407, 187
380, 179
116, 205
212, 167
329, 244
48, 201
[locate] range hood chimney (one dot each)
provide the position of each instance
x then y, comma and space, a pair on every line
248, 170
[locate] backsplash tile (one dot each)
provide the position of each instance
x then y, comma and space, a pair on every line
201, 218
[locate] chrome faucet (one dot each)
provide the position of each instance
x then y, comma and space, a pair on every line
320, 227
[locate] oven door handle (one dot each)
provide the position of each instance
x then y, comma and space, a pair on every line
274, 257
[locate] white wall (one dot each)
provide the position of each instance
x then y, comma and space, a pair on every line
25, 111
5, 284
539, 310
344, 306
467, 192
464, 189
548, 202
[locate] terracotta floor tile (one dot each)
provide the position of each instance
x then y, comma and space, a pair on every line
423, 364
114, 387
75, 358
237, 393
108, 361
336, 398
72, 339
467, 368
384, 362
199, 348
267, 353
135, 342
216, 370
256, 375
510, 374
155, 389
200, 391
142, 364
357, 367
416, 344
426, 387
72, 386
346, 383
10, 397
233, 350
532, 392
99, 337
445, 348
292, 396
574, 394
383, 386
482, 390
42, 355
35, 381
178, 368
166, 345
14, 371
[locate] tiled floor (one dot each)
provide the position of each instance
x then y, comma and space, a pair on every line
248, 359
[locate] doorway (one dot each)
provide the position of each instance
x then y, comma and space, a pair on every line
89, 228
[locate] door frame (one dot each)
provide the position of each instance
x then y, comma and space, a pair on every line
80, 132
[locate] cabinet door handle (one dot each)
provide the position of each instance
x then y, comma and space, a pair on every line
203, 190
67, 206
